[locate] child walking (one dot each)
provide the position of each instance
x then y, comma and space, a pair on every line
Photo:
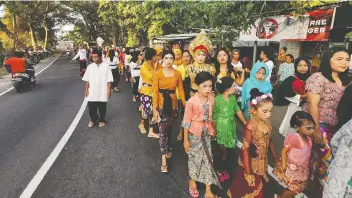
295, 155
225, 108
198, 130
251, 177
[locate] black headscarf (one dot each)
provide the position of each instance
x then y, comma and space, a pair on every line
305, 76
285, 89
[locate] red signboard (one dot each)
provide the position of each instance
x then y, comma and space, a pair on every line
314, 26
319, 25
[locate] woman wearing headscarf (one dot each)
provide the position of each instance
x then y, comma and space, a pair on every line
259, 73
292, 93
113, 61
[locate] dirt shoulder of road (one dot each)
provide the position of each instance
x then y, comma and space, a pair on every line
3, 71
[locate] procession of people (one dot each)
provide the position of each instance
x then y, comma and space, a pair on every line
210, 97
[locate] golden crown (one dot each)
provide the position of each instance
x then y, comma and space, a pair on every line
201, 42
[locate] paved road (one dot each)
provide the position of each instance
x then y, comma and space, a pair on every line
114, 161
32, 123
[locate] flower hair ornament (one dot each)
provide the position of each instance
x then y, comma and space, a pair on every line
258, 99
219, 81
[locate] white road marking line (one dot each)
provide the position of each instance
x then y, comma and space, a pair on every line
4, 92
34, 183
270, 171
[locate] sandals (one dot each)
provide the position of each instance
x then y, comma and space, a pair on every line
154, 135
142, 129
164, 169
90, 124
193, 192
101, 124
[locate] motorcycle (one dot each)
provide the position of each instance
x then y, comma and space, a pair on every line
23, 81
41, 55
68, 54
47, 53
34, 57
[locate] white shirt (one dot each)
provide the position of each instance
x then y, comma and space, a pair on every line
114, 63
82, 54
238, 65
135, 69
127, 60
270, 64
98, 77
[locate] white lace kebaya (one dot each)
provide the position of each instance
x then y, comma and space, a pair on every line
340, 170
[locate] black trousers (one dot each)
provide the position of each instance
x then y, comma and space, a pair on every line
116, 76
135, 86
93, 111
82, 65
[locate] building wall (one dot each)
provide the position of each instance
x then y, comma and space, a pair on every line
292, 47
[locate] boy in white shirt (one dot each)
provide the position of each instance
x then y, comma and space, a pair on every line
98, 77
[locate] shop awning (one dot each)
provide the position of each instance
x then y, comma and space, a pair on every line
174, 37
249, 43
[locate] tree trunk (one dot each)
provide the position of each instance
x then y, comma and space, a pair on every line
31, 31
114, 34
14, 23
46, 36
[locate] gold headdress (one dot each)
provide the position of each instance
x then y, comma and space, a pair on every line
201, 42
177, 51
158, 50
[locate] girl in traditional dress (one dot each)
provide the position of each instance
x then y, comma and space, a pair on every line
252, 174
147, 72
200, 48
325, 89
165, 82
178, 57
259, 74
225, 109
187, 60
224, 67
294, 167
292, 93
198, 130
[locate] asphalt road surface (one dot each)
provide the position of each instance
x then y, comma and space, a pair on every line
114, 161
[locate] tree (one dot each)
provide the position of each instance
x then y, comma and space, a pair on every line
38, 16
134, 22
90, 24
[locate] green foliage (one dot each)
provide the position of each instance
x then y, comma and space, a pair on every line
37, 20
134, 22
349, 36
